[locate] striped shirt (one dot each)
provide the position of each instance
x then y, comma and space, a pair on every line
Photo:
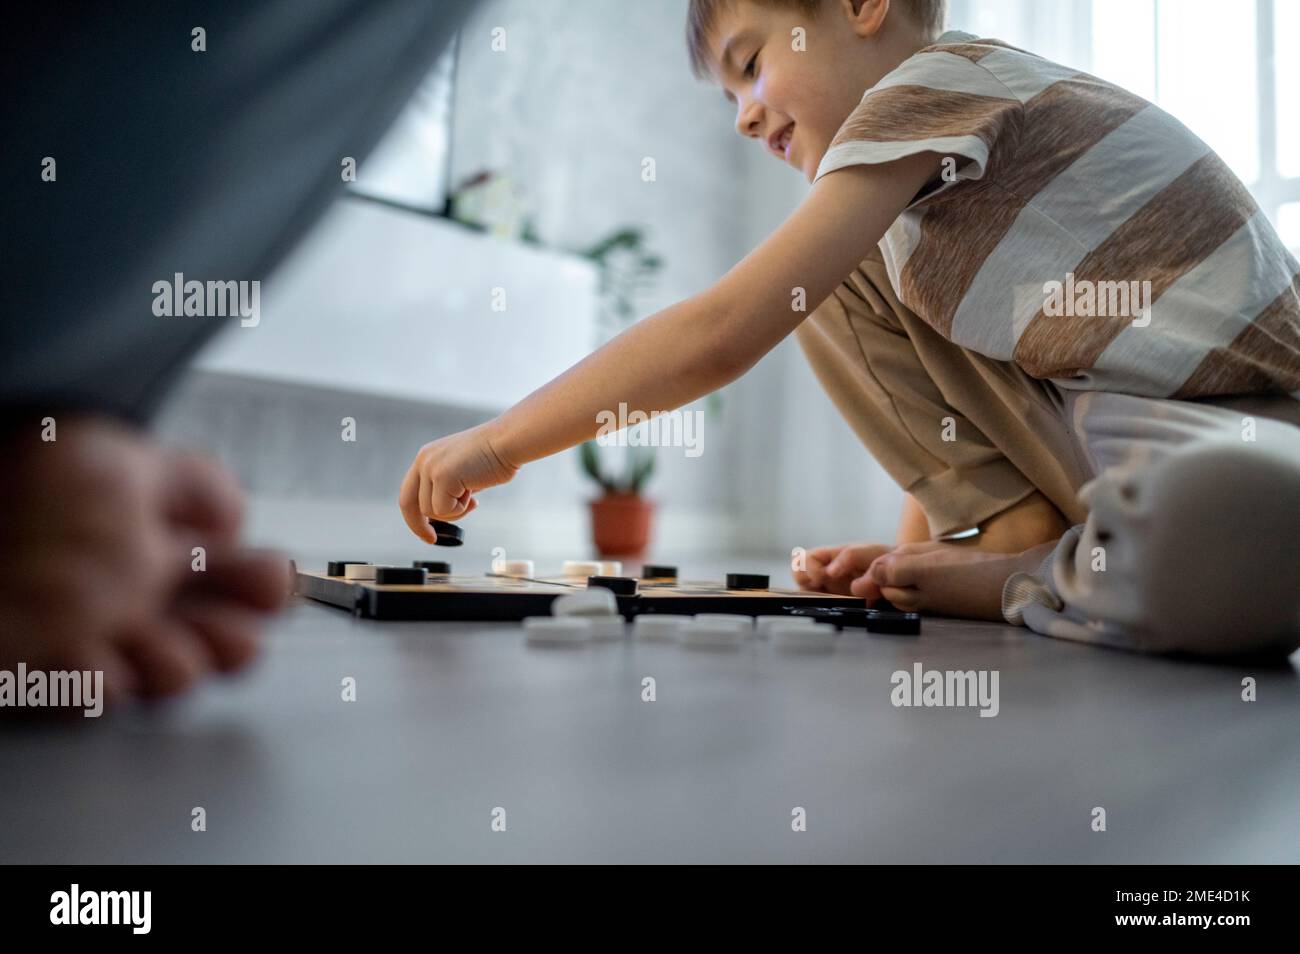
1076, 229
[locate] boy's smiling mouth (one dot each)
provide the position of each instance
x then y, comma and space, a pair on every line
779, 142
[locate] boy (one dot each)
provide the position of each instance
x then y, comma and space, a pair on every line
984, 352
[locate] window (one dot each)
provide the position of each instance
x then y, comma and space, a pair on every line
1228, 69
1286, 64
1288, 224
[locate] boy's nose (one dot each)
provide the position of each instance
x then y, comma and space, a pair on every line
749, 120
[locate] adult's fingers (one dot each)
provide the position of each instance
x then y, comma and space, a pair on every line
256, 580
200, 493
231, 632
168, 657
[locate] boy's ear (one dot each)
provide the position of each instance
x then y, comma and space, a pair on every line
866, 16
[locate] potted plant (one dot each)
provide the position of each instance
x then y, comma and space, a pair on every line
621, 516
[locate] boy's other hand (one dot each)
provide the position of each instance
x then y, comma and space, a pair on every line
951, 579
833, 569
446, 473
98, 567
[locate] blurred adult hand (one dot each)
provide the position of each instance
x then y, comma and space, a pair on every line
98, 568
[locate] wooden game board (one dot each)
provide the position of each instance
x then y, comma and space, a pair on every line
469, 597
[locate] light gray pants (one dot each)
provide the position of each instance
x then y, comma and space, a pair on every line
1192, 540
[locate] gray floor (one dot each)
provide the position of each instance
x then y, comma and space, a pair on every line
455, 720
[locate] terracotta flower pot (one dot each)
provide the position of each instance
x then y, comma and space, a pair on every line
620, 524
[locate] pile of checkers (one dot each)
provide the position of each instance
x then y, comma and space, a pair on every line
591, 615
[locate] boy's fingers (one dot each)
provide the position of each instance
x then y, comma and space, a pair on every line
441, 504
426, 497
417, 524
409, 503
824, 554
438, 504
804, 578
852, 561
865, 588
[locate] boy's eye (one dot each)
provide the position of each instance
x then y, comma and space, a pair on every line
749, 67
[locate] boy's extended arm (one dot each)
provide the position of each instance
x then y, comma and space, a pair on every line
682, 352
698, 345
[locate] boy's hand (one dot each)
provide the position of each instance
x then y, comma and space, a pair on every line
833, 570
444, 477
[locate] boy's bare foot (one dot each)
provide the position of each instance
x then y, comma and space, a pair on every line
98, 568
950, 579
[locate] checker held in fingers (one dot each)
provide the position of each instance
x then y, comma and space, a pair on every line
445, 477
449, 535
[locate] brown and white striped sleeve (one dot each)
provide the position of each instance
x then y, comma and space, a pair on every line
941, 101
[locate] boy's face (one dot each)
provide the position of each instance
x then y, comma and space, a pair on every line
792, 97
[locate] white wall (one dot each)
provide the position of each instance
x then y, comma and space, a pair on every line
803, 478
586, 89
584, 92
